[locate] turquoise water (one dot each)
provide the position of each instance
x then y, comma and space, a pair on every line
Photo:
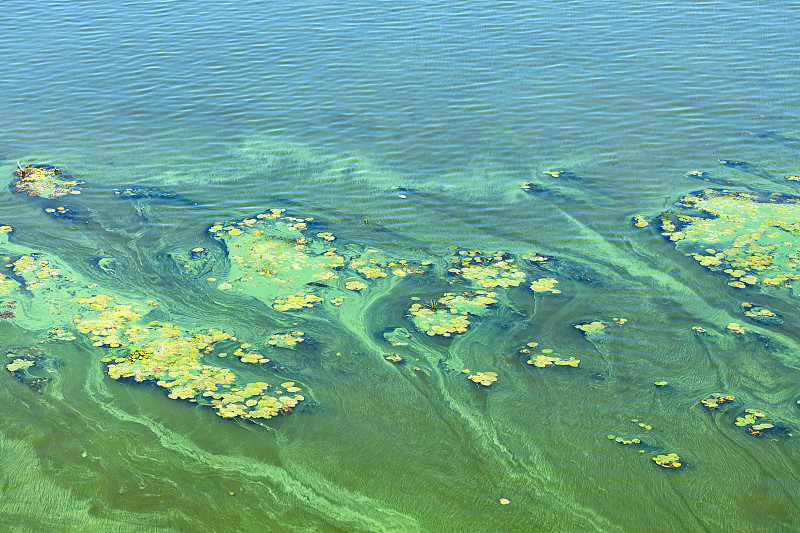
219, 111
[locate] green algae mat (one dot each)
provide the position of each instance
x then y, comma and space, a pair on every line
274, 362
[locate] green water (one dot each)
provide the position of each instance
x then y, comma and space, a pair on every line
409, 133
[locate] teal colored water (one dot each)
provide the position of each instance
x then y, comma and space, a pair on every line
417, 130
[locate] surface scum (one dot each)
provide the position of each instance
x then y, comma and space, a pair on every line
294, 269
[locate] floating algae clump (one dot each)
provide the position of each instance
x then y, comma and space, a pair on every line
591, 327
44, 181
437, 321
487, 271
153, 352
272, 259
18, 364
752, 239
668, 461
545, 285
296, 301
548, 358
748, 421
474, 303
483, 378
761, 314
714, 400
434, 319
174, 361
286, 340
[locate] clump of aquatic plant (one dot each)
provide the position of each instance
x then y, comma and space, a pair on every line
6, 229
483, 378
714, 400
670, 460
44, 181
661, 383
393, 357
640, 222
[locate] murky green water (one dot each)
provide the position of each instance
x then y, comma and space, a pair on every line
338, 186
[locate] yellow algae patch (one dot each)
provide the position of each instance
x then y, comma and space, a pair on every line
714, 400
6, 229
41, 271
469, 302
6, 284
283, 340
698, 329
620, 321
487, 271
438, 321
545, 285
670, 460
591, 327
44, 181
483, 378
18, 364
355, 285
543, 361
372, 272
755, 239
736, 328
296, 301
